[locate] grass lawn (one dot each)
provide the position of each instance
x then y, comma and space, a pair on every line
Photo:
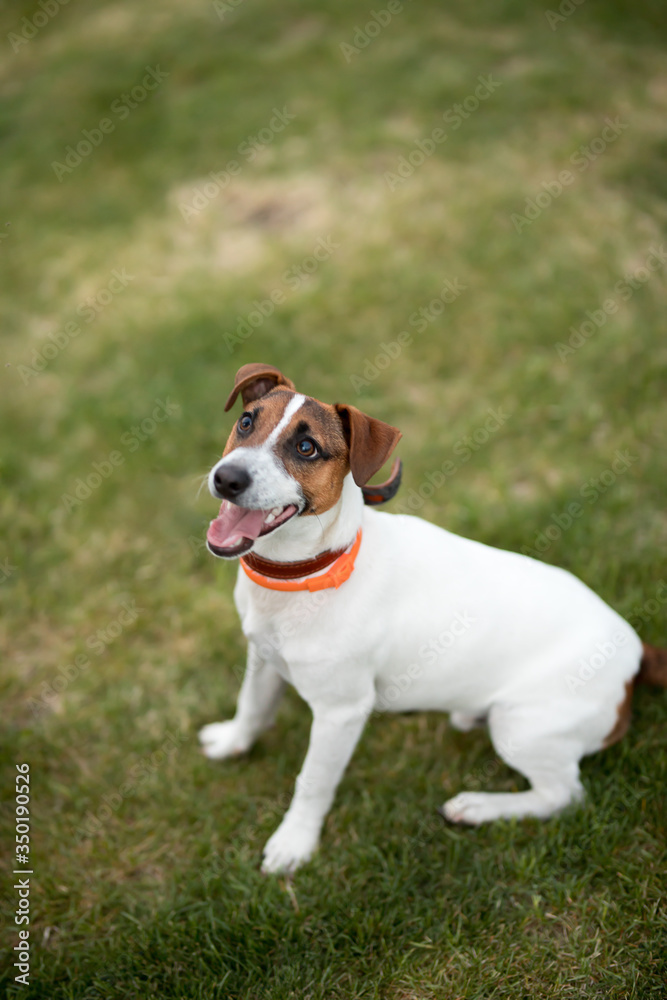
432, 214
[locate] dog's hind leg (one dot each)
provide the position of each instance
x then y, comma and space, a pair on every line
549, 760
256, 709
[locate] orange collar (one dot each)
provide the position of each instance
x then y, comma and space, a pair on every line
338, 573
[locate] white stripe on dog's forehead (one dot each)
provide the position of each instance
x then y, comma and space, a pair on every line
290, 410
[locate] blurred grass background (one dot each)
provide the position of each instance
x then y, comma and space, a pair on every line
158, 895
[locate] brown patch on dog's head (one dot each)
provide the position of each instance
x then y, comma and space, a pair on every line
254, 381
346, 439
321, 443
321, 477
265, 415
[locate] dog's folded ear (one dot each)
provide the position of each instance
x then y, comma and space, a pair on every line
370, 442
379, 493
255, 380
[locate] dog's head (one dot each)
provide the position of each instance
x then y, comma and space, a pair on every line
287, 456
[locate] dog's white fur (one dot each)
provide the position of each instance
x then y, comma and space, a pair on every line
427, 621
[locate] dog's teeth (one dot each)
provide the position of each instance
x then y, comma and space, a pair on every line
272, 515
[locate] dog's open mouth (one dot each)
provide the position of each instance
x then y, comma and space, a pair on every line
235, 529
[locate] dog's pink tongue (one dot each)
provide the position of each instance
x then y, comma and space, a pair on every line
234, 522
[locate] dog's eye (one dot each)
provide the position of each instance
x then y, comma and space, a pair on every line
307, 448
245, 422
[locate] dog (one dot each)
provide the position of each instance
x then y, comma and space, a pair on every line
362, 610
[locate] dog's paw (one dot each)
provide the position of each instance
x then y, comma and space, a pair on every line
471, 807
290, 847
223, 739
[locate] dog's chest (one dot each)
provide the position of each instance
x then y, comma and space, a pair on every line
276, 622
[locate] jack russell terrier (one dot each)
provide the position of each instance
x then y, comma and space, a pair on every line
362, 611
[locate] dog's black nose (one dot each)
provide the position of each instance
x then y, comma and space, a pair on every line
230, 480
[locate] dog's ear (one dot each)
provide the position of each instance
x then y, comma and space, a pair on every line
255, 380
370, 442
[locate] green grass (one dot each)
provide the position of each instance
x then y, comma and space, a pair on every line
163, 897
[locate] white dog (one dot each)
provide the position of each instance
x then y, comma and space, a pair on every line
362, 610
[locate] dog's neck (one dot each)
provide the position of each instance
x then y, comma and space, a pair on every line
307, 536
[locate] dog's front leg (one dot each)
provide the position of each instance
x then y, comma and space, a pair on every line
257, 704
333, 737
